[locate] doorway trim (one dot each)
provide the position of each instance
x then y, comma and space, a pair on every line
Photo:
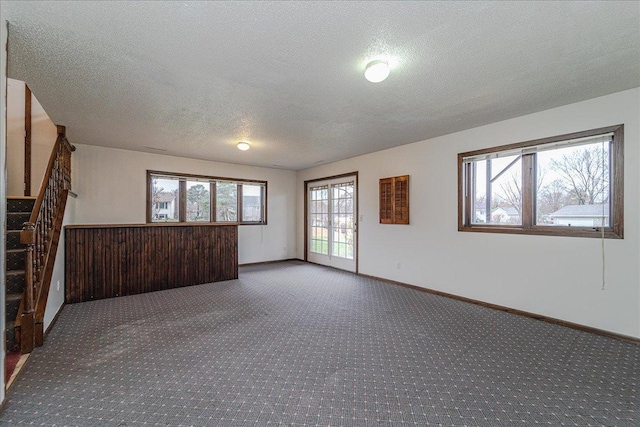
306, 213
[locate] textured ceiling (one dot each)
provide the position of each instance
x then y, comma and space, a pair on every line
193, 78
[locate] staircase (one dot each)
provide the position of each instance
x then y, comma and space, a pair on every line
18, 212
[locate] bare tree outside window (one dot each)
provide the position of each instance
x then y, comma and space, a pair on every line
551, 197
498, 190
510, 193
584, 173
156, 191
577, 191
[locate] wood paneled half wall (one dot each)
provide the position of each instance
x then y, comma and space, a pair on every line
105, 261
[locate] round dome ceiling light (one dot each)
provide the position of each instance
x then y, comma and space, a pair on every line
243, 146
376, 71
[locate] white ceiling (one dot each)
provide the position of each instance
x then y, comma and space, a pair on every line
193, 78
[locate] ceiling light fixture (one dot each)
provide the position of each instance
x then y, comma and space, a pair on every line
243, 146
376, 71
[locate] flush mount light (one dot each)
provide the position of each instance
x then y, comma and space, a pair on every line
243, 145
376, 71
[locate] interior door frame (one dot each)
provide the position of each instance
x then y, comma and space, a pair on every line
306, 213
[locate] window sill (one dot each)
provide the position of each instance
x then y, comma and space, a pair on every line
178, 223
609, 233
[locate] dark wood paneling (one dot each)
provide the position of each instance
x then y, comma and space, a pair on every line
110, 261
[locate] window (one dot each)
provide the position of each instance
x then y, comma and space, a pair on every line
568, 185
198, 201
319, 207
164, 197
176, 197
226, 202
251, 202
394, 200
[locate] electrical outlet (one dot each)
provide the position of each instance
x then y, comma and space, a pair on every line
58, 286
398, 265
361, 217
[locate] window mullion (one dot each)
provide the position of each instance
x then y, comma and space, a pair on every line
469, 173
150, 200
182, 207
239, 206
488, 194
213, 211
616, 177
528, 190
263, 206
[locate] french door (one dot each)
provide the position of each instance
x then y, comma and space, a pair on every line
332, 219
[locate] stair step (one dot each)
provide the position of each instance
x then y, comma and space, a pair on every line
20, 204
13, 304
15, 259
13, 240
10, 335
15, 282
18, 212
15, 220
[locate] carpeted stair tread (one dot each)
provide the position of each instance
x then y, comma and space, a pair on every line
10, 337
18, 212
15, 220
15, 259
15, 281
12, 306
13, 240
20, 204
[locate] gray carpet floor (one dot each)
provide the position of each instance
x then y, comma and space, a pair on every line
298, 344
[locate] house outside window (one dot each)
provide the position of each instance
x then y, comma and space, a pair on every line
164, 199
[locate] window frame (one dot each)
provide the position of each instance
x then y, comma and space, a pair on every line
615, 230
212, 180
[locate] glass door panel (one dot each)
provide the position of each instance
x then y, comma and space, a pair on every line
332, 223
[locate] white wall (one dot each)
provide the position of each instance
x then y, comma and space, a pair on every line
15, 137
43, 138
111, 188
559, 277
56, 290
